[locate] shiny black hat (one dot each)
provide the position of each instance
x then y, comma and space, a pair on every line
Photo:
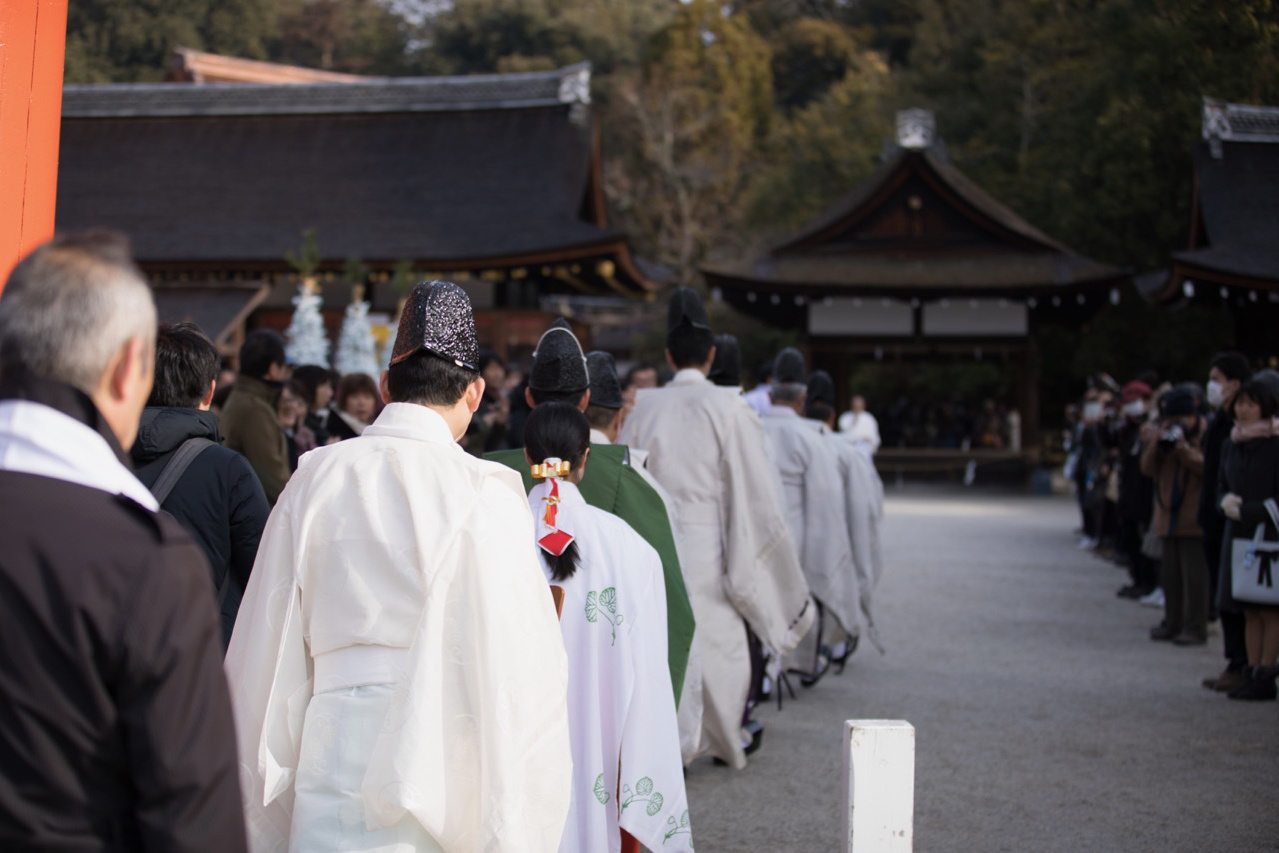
438, 319
558, 363
788, 368
686, 309
606, 390
821, 387
726, 369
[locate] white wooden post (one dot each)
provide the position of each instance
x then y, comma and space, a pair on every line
878, 786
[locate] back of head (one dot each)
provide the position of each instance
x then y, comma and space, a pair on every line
790, 384
435, 357
558, 431
559, 372
186, 363
261, 349
688, 330
726, 369
70, 305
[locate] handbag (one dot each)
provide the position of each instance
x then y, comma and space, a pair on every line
1253, 564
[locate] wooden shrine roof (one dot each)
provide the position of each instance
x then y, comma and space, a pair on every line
919, 227
483, 172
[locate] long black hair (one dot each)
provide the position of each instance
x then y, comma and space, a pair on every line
558, 430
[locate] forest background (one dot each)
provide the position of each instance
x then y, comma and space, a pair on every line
729, 124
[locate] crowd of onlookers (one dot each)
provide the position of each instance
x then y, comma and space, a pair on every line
1177, 483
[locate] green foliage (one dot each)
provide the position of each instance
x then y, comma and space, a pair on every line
403, 277
356, 271
114, 41
306, 260
352, 36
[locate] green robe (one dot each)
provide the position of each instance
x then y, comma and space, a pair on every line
612, 485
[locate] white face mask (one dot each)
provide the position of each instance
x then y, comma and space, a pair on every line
1136, 408
1092, 410
1216, 394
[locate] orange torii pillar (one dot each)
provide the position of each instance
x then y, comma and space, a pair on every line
33, 36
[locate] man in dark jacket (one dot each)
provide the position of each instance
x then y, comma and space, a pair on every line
1229, 371
250, 421
115, 729
218, 499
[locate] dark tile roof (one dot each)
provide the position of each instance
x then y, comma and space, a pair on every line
438, 187
1239, 209
217, 309
404, 94
918, 225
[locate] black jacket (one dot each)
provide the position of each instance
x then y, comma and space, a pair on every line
115, 729
219, 499
1216, 437
1250, 470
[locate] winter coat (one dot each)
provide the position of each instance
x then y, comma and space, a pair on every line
219, 500
1178, 476
1136, 491
1249, 469
115, 729
1215, 439
251, 426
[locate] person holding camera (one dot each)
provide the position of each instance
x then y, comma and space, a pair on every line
1173, 459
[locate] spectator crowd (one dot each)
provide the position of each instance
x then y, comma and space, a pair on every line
1177, 483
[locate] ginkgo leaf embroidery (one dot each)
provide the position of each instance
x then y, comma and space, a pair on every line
678, 828
600, 793
604, 604
644, 787
655, 805
643, 793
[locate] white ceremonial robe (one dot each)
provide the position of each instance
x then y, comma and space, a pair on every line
397, 674
863, 511
813, 496
706, 447
689, 711
627, 770
861, 430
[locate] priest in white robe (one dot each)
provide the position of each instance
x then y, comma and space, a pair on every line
814, 499
605, 412
627, 772
863, 504
707, 449
397, 674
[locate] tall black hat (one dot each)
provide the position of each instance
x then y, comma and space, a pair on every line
788, 368
606, 390
558, 363
686, 309
438, 319
821, 387
726, 369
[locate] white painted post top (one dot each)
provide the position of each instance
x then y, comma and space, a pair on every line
878, 786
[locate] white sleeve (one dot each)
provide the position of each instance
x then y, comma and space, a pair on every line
268, 672
652, 802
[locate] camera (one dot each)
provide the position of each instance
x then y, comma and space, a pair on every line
1168, 438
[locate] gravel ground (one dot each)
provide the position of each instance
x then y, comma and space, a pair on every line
1045, 718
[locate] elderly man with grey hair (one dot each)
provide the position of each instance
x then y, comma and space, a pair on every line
116, 731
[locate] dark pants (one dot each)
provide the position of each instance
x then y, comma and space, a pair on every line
1234, 645
1185, 577
1141, 568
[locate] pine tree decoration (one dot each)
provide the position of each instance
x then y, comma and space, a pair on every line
306, 341
357, 348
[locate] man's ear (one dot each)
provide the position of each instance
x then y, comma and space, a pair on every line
585, 401
528, 398
710, 359
670, 360
384, 386
474, 392
207, 402
126, 368
615, 425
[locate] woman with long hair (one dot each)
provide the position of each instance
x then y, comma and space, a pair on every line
627, 774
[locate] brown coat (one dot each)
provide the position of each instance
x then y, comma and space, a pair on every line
1178, 476
250, 426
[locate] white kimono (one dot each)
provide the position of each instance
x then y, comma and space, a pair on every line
689, 711
863, 511
627, 770
397, 673
861, 430
813, 496
706, 447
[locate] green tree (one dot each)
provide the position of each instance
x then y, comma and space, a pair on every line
120, 41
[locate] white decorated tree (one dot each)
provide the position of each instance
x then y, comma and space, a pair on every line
357, 348
305, 340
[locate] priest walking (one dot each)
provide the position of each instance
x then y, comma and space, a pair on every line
813, 496
708, 449
397, 673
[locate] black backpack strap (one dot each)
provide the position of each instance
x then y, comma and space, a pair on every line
177, 466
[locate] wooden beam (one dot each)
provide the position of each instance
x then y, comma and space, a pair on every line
32, 51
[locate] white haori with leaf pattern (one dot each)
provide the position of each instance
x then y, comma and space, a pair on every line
627, 770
